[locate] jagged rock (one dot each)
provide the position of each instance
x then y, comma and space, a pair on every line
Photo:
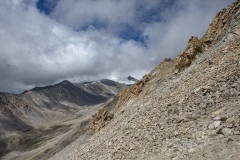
220, 118
202, 88
211, 126
230, 120
236, 132
217, 123
100, 119
226, 131
219, 26
195, 46
217, 118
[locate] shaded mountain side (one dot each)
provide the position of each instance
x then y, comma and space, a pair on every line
104, 88
64, 95
41, 107
88, 93
184, 109
130, 78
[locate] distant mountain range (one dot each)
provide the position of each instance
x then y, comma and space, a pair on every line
125, 80
41, 107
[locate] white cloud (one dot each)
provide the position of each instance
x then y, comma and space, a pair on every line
39, 50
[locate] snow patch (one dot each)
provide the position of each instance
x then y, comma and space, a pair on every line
122, 80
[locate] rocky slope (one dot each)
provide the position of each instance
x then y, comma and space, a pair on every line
188, 108
42, 107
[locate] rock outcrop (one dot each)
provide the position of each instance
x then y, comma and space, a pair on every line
225, 22
194, 47
220, 26
100, 120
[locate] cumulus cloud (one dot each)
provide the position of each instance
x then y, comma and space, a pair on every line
90, 40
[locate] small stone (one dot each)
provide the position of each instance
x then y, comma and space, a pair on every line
237, 129
147, 121
230, 120
219, 111
191, 150
236, 132
230, 139
211, 126
181, 101
234, 85
170, 145
176, 133
197, 90
217, 118
206, 87
132, 147
229, 125
226, 131
217, 124
222, 118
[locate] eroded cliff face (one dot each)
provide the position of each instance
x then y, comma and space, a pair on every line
221, 25
100, 120
185, 58
224, 23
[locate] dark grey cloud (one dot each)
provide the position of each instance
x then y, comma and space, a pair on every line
84, 40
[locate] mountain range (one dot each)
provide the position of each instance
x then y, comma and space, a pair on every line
185, 108
42, 107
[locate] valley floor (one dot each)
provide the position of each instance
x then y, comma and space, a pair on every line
45, 143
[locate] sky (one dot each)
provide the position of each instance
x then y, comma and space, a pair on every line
43, 42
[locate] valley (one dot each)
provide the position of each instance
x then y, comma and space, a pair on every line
36, 121
186, 108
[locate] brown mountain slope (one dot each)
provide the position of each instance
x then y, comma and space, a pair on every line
194, 114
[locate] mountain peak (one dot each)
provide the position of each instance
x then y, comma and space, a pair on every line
125, 80
65, 82
130, 78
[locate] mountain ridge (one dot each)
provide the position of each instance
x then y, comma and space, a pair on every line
186, 108
41, 107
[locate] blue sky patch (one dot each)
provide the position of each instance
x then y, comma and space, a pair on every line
46, 7
130, 33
